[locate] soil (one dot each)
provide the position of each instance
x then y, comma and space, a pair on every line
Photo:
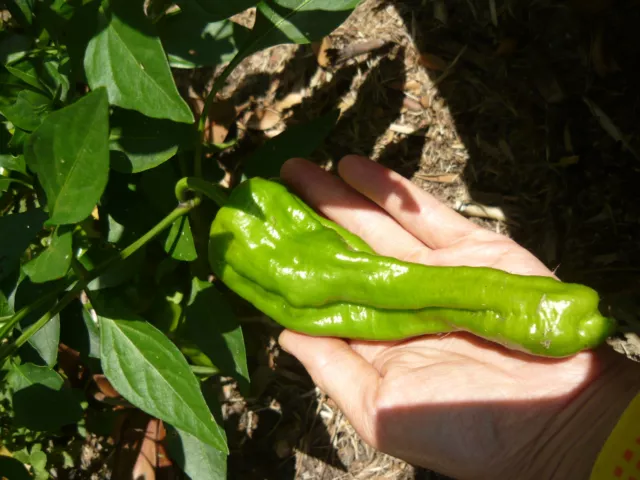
524, 116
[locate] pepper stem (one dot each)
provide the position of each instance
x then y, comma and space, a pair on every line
218, 194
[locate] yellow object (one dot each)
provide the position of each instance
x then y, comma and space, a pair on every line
620, 455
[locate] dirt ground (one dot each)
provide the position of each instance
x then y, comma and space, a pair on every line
522, 115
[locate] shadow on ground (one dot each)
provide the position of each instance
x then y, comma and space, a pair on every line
544, 96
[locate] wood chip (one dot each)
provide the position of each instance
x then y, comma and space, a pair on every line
357, 49
291, 100
105, 386
412, 86
433, 62
439, 178
263, 119
321, 50
411, 104
425, 101
405, 129
481, 211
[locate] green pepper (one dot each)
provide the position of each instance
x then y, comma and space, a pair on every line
312, 276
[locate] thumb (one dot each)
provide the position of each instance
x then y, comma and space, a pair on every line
341, 373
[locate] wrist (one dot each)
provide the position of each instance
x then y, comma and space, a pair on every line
571, 444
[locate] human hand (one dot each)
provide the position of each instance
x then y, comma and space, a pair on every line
453, 403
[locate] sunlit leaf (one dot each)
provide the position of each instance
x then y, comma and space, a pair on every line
196, 458
179, 243
191, 40
147, 369
55, 260
17, 164
28, 110
126, 57
70, 154
295, 21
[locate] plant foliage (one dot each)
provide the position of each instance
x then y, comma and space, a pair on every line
98, 255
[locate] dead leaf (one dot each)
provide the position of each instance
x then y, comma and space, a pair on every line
433, 62
482, 211
361, 48
263, 119
404, 129
321, 49
439, 178
105, 386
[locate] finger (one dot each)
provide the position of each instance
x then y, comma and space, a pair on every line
420, 213
341, 373
340, 203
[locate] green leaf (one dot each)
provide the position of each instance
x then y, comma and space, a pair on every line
213, 328
36, 387
195, 458
13, 46
127, 58
25, 71
179, 243
13, 469
46, 340
55, 260
216, 9
19, 138
23, 376
23, 227
28, 110
151, 373
44, 343
191, 40
295, 21
295, 141
16, 164
21, 10
70, 154
144, 142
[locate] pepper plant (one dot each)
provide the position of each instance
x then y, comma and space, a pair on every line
107, 192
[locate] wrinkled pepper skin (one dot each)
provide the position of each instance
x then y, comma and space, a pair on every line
312, 276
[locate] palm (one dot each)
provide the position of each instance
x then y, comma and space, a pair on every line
437, 401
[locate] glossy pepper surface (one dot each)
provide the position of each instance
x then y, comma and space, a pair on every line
312, 276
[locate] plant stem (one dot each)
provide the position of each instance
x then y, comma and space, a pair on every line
21, 314
218, 194
217, 86
81, 284
202, 370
